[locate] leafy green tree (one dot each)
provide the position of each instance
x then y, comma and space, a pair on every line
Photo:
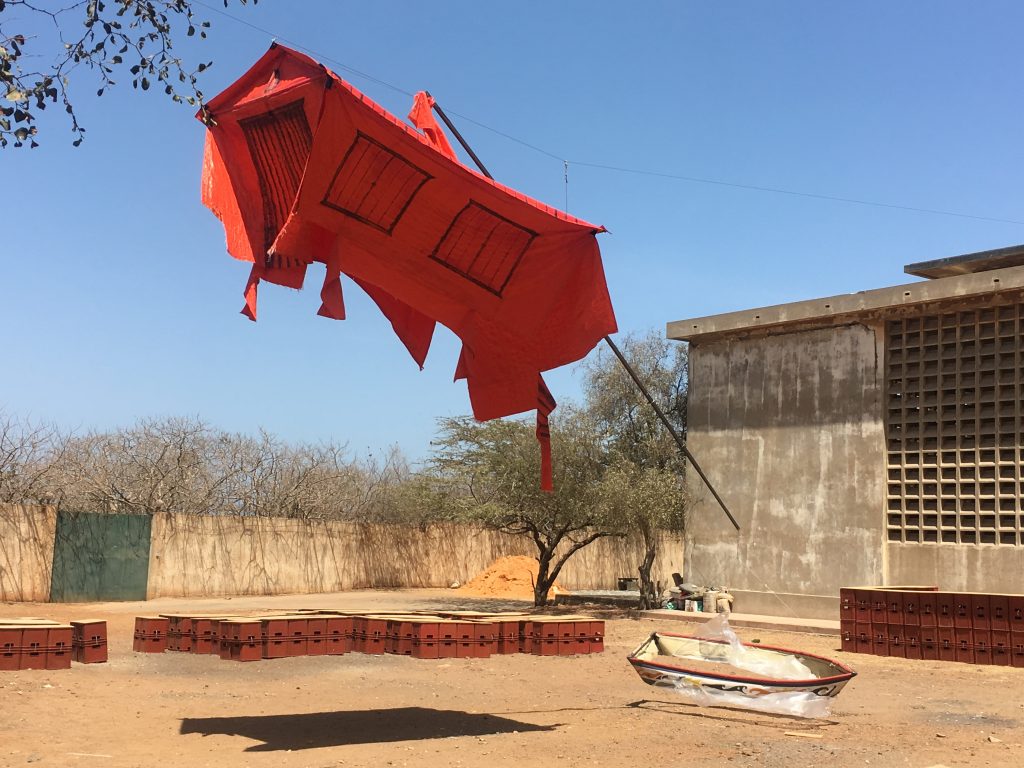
102, 36
644, 486
490, 473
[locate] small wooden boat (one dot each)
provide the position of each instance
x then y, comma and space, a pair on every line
727, 674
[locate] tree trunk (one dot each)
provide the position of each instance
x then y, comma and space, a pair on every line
649, 597
544, 577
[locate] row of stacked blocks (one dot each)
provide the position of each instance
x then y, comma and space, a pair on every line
45, 644
437, 636
924, 623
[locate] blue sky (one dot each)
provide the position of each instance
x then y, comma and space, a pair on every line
118, 301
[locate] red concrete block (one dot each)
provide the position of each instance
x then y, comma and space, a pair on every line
879, 641
89, 654
947, 643
911, 606
425, 649
200, 636
339, 635
485, 631
547, 646
847, 633
982, 646
999, 613
945, 609
33, 647
447, 648
400, 646
1001, 648
927, 609
897, 644
1016, 613
151, 626
912, 642
275, 639
964, 644
58, 647
962, 615
317, 637
894, 609
865, 637
1017, 649
375, 627
864, 599
566, 647
929, 643
374, 645
979, 613
847, 604
10, 648
298, 632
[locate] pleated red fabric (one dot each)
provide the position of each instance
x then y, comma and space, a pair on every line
300, 168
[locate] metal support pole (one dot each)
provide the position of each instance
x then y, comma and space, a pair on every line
625, 363
462, 141
668, 425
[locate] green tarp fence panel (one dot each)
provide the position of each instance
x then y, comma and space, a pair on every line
100, 557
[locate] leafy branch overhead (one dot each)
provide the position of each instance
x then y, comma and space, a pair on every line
42, 47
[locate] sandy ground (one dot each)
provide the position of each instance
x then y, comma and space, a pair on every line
359, 710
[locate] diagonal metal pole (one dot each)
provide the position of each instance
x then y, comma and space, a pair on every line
671, 430
608, 340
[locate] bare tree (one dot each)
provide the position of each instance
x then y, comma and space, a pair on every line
28, 451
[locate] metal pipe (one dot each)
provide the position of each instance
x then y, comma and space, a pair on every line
462, 141
672, 430
625, 363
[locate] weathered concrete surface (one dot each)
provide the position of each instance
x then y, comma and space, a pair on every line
847, 307
751, 621
789, 428
26, 551
198, 556
212, 556
957, 567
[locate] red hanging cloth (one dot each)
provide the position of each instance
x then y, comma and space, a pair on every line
300, 167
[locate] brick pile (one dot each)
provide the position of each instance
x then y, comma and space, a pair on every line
439, 635
924, 623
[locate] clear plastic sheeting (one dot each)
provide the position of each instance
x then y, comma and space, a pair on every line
725, 648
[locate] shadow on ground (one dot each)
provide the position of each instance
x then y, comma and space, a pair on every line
336, 729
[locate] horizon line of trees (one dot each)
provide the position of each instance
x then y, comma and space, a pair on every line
617, 470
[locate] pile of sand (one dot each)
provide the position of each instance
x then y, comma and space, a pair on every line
508, 577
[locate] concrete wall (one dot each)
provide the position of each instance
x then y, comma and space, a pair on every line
194, 556
789, 429
26, 551
957, 567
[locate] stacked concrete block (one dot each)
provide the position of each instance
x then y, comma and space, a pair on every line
34, 644
455, 634
924, 623
89, 641
150, 634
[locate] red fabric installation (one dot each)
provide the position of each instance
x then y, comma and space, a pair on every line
300, 167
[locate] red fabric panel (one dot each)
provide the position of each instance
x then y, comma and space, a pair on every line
332, 302
422, 116
415, 329
301, 167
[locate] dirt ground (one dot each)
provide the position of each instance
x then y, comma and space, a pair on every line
360, 710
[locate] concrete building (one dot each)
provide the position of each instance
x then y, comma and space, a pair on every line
869, 438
